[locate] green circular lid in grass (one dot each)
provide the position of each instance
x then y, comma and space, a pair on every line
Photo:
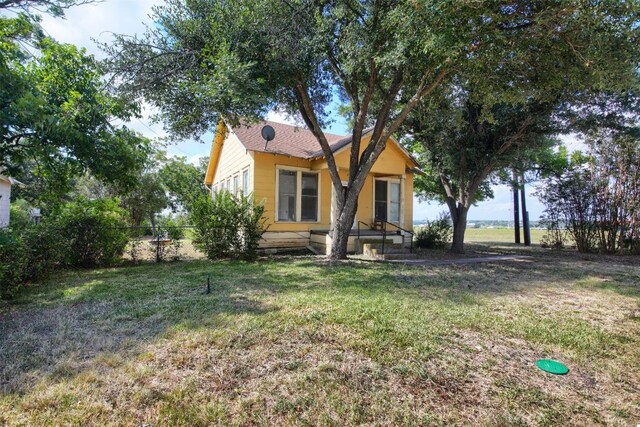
552, 366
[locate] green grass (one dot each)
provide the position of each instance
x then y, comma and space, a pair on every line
297, 341
503, 235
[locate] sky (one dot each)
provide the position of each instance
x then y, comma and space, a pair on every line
89, 24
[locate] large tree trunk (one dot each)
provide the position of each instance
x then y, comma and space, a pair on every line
459, 218
152, 219
343, 224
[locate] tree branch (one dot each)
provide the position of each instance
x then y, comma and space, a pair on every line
309, 117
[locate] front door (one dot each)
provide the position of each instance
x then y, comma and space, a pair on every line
387, 200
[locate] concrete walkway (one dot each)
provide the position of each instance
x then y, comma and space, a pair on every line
461, 261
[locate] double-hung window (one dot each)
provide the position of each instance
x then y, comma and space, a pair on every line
298, 195
309, 197
236, 184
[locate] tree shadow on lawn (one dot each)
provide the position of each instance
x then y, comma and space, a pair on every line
550, 270
58, 329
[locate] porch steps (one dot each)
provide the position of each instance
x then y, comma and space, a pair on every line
391, 250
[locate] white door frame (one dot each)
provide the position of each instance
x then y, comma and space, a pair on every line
396, 180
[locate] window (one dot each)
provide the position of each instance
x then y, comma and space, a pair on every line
287, 195
228, 184
381, 199
394, 202
236, 184
214, 189
245, 182
222, 186
298, 196
309, 204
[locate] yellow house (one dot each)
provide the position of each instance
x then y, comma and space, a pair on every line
289, 176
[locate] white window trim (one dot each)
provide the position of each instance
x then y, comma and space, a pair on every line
401, 210
298, 171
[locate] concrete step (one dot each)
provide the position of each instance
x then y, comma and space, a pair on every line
370, 241
398, 256
375, 249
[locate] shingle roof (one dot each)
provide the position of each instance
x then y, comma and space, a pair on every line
294, 141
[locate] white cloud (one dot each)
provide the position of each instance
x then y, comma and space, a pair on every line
282, 117
99, 21
195, 160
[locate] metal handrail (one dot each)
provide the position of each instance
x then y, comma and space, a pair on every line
361, 222
384, 232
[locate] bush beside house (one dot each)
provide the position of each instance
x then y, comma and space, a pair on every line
228, 225
83, 233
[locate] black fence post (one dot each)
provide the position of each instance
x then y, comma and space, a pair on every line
384, 235
157, 244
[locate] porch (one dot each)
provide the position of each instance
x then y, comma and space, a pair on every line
361, 241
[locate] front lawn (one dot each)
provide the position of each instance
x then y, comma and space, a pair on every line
296, 341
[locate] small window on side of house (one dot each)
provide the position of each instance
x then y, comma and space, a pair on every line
245, 182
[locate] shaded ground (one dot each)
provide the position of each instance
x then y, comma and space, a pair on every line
299, 341
428, 262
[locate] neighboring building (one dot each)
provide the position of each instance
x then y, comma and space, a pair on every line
5, 198
291, 178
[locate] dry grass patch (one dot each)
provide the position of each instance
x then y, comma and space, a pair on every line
296, 341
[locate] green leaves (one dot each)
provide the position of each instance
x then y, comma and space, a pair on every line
57, 117
227, 225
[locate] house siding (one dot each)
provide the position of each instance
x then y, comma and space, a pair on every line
265, 170
5, 200
234, 158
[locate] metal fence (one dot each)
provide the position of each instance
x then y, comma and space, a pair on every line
164, 243
159, 243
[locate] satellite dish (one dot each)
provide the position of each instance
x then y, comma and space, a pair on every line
268, 133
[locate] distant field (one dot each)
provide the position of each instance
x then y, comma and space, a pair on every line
499, 235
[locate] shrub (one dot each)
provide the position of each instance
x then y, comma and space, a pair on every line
20, 213
227, 225
27, 255
570, 199
435, 234
597, 197
94, 231
172, 227
556, 235
13, 263
45, 249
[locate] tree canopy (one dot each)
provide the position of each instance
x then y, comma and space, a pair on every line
57, 118
202, 59
462, 150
